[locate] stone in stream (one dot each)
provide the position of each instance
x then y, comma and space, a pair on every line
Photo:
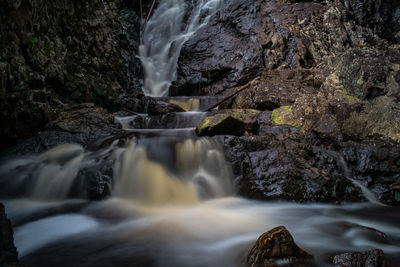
160, 107
232, 122
276, 248
370, 258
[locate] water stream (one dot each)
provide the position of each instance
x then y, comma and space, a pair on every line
172, 202
171, 25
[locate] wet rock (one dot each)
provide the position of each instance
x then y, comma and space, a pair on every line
156, 107
98, 179
222, 54
62, 52
285, 167
379, 16
8, 252
371, 258
274, 89
369, 73
375, 163
285, 164
232, 122
277, 248
81, 124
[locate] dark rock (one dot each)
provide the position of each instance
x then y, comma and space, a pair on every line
222, 54
277, 248
376, 163
8, 252
68, 52
274, 89
369, 73
232, 122
98, 179
285, 167
155, 107
81, 124
371, 258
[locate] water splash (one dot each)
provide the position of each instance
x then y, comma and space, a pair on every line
202, 173
148, 182
164, 35
199, 172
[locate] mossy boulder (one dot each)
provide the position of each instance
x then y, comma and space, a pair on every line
230, 122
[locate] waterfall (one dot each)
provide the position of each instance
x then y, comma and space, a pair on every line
202, 174
171, 25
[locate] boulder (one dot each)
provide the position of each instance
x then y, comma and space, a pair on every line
370, 258
284, 166
157, 107
230, 122
275, 248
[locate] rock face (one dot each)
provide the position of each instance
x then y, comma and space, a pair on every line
371, 258
63, 51
234, 122
269, 168
222, 54
80, 123
277, 247
8, 252
325, 76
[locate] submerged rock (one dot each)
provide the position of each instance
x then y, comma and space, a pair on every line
370, 258
232, 122
277, 248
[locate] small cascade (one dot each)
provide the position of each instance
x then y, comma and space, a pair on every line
49, 176
171, 25
168, 121
148, 182
343, 165
152, 171
57, 174
202, 173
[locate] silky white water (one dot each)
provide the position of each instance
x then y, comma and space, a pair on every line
122, 232
171, 25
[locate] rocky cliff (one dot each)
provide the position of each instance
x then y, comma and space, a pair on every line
325, 75
56, 53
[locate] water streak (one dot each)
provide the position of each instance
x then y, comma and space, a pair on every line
343, 165
171, 25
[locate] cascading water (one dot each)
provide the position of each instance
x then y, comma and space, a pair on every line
171, 25
171, 197
171, 204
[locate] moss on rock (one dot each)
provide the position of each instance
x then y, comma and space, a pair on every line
284, 116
